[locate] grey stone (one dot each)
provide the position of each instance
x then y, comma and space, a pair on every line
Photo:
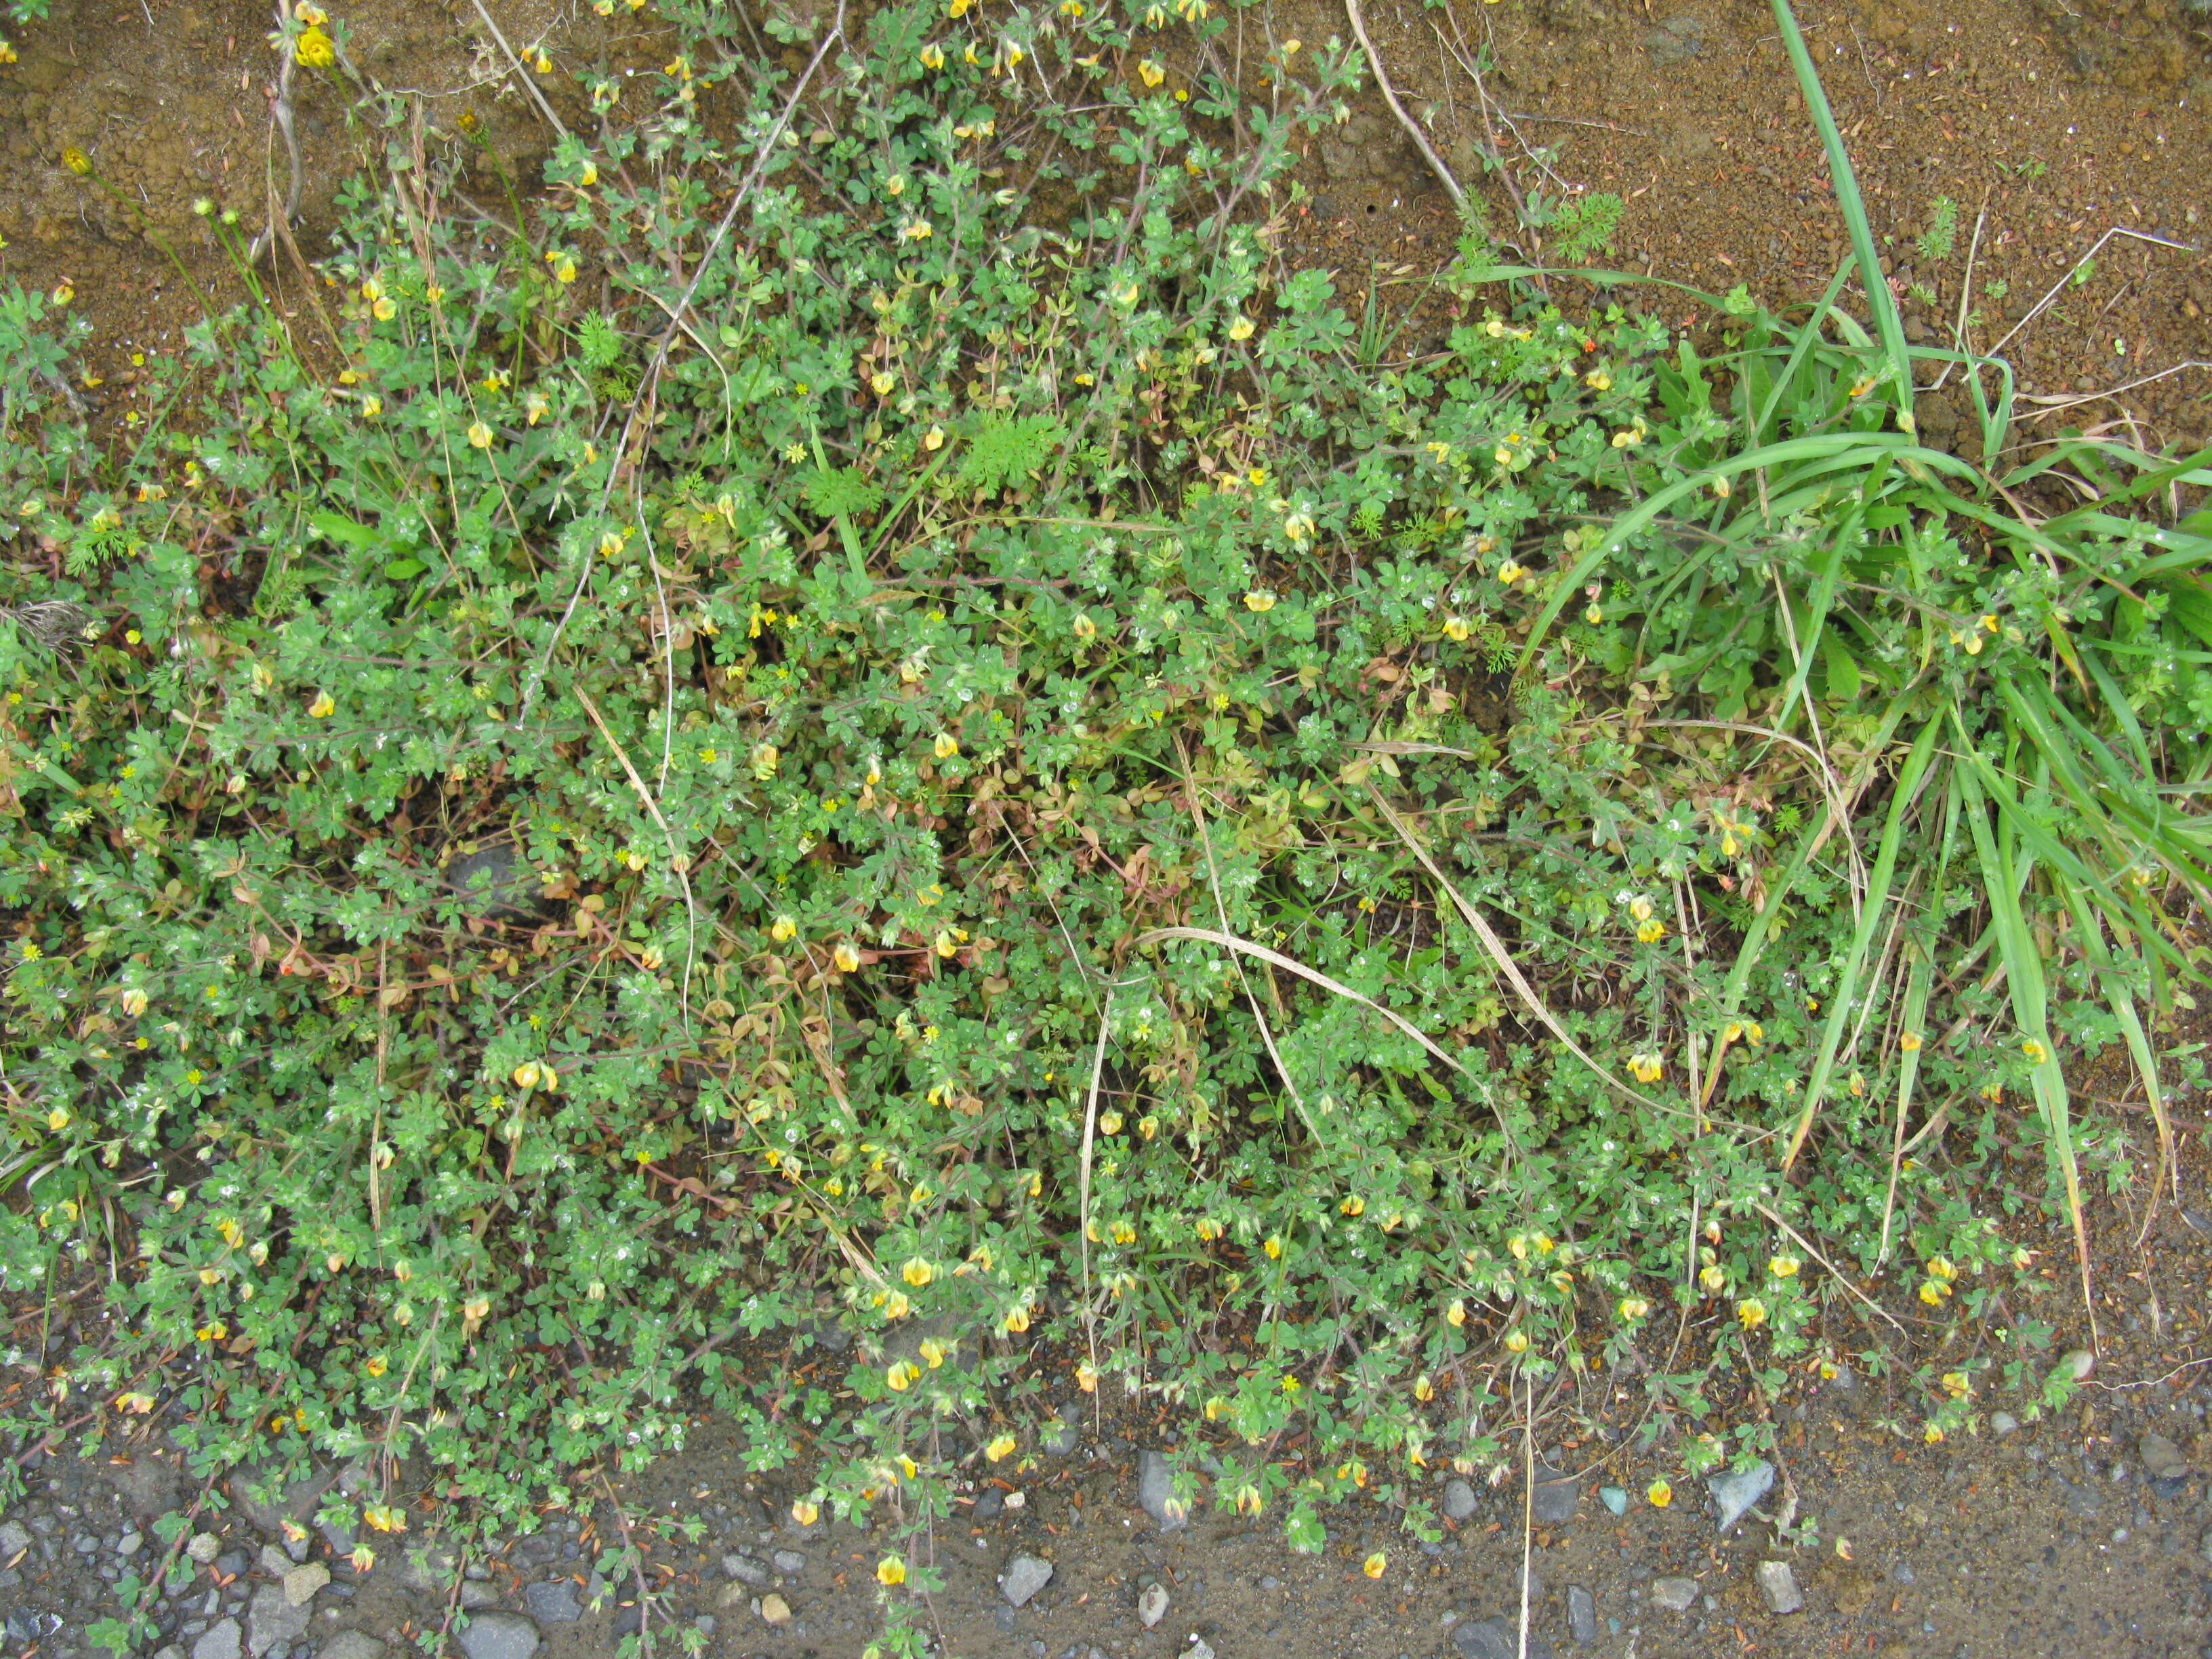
352, 1645
1496, 1638
14, 1540
1734, 1494
1060, 1438
273, 1620
1156, 1492
774, 1610
1553, 1502
2162, 1458
257, 1497
2003, 1424
1779, 1586
990, 1504
130, 1544
790, 1563
746, 1570
204, 1549
273, 1561
431, 1569
475, 1596
222, 1641
498, 1636
1153, 1605
1199, 1649
1459, 1500
1003, 1617
301, 1583
553, 1604
1025, 1575
1615, 1498
172, 1651
1675, 1595
1582, 1615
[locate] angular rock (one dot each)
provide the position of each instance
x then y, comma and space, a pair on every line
498, 1636
553, 1603
272, 1620
1615, 1498
1735, 1493
222, 1641
1779, 1586
476, 1597
1459, 1500
1553, 1502
1496, 1638
774, 1610
2162, 1458
1025, 1575
352, 1645
15, 1538
1675, 1595
2003, 1424
302, 1584
1582, 1615
1153, 1605
1156, 1492
204, 1549
746, 1570
790, 1563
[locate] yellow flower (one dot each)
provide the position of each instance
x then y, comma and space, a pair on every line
958, 8
1086, 1377
784, 930
901, 1377
1375, 1565
1002, 1448
1910, 1042
322, 708
1259, 600
1933, 1290
376, 1365
1651, 932
2036, 1052
384, 1517
1455, 1312
1633, 1308
314, 50
1751, 1313
1933, 1434
1353, 1206
1942, 1267
804, 1513
1660, 1494
933, 1352
59, 1119
1598, 380
1721, 487
845, 957
1782, 1266
1959, 1384
891, 1571
1150, 73
1645, 1068
917, 1272
1593, 615
1711, 1278
932, 57
1241, 329
945, 747
371, 407
916, 230
1510, 573
528, 1075
1274, 1247
479, 436
1623, 439
1017, 1321
1517, 1341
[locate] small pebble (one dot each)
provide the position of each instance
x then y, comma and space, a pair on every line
1779, 1586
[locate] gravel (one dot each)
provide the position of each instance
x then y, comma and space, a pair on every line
1582, 1615
1459, 1500
1675, 1595
1496, 1639
1156, 1492
2003, 1424
204, 1549
352, 1645
1553, 1502
1153, 1605
746, 1570
1615, 1498
1734, 1494
222, 1641
1779, 1586
1025, 1575
790, 1563
302, 1584
498, 1636
553, 1603
273, 1621
14, 1539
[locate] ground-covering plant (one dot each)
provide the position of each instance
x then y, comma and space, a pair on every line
866, 711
